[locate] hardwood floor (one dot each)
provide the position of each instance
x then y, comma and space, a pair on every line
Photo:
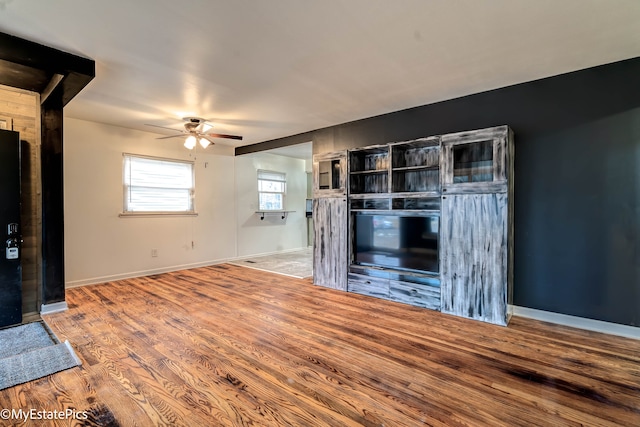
227, 345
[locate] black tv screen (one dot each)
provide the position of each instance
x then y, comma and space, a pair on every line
397, 241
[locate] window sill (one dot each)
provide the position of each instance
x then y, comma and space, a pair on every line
154, 214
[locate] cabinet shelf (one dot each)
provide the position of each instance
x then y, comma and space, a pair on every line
415, 168
370, 172
422, 211
369, 160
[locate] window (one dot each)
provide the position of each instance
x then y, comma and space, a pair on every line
154, 185
272, 187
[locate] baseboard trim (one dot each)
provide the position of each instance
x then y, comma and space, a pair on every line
243, 257
578, 322
55, 307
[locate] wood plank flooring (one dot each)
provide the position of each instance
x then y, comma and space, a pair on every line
231, 346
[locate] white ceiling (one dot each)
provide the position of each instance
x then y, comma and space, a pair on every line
269, 69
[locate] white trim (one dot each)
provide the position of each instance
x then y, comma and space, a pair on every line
578, 322
243, 257
55, 307
154, 214
142, 273
72, 353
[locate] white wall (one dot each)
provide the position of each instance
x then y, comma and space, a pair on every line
273, 234
101, 246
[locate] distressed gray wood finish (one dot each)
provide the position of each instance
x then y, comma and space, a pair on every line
341, 157
415, 165
499, 135
510, 221
330, 242
476, 240
474, 188
369, 182
370, 196
367, 285
474, 256
416, 203
369, 204
368, 170
415, 180
415, 294
375, 157
411, 155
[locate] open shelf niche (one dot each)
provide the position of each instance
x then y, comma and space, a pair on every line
369, 170
415, 166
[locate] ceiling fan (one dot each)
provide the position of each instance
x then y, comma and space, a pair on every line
194, 129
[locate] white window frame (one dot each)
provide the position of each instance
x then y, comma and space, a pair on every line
128, 210
272, 176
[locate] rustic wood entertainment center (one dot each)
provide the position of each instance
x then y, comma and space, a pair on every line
427, 222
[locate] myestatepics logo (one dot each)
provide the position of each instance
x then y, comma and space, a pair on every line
34, 414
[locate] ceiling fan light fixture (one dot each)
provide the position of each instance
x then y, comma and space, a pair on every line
190, 142
195, 130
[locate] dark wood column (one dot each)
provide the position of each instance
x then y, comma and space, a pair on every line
58, 77
52, 200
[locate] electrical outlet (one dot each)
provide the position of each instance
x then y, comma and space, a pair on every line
154, 253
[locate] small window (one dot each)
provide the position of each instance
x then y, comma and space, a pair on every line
272, 187
154, 185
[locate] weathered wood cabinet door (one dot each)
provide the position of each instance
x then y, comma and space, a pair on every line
330, 242
474, 256
330, 174
476, 161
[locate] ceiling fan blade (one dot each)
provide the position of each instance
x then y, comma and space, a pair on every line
172, 136
163, 127
208, 139
221, 135
207, 123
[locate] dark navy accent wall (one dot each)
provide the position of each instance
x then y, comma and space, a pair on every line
577, 220
577, 181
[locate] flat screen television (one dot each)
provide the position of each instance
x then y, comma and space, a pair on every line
406, 242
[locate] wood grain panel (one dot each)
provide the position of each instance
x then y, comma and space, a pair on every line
367, 285
415, 294
231, 346
474, 256
330, 242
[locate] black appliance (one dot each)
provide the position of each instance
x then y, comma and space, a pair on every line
10, 267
